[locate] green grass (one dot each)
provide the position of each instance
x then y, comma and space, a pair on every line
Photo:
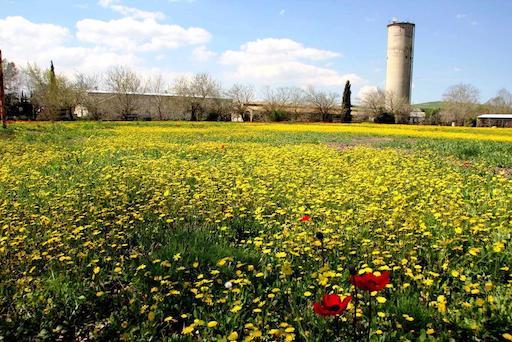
490, 153
130, 190
487, 153
430, 105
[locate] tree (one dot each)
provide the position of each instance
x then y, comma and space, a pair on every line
374, 101
296, 101
3, 114
11, 78
324, 103
276, 101
385, 107
157, 87
346, 105
505, 97
461, 101
399, 107
126, 85
241, 95
501, 103
84, 84
52, 95
199, 94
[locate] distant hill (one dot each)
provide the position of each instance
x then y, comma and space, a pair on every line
430, 105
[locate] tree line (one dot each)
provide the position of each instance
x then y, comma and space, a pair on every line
43, 94
460, 106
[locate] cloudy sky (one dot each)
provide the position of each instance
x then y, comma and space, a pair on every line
266, 42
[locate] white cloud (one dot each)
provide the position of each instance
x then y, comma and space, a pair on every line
276, 50
106, 3
99, 44
283, 62
282, 12
133, 12
38, 43
20, 36
461, 16
202, 54
131, 34
137, 30
29, 42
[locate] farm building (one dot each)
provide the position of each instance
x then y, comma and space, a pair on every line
139, 106
495, 120
145, 106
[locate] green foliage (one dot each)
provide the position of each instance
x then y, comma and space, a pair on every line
385, 118
432, 116
53, 96
279, 115
430, 105
346, 106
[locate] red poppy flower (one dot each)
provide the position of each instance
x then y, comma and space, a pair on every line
370, 282
331, 305
305, 218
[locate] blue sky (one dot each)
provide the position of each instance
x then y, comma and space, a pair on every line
276, 43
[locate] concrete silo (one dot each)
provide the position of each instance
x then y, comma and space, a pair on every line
400, 59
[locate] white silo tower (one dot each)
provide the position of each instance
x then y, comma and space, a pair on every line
400, 59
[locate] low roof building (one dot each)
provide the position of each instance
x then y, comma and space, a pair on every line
494, 120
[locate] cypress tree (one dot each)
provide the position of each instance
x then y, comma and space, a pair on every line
53, 78
346, 105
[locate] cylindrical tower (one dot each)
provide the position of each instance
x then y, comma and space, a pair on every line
400, 58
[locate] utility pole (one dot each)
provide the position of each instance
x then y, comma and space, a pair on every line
2, 97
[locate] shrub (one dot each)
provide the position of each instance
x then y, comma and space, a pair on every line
386, 118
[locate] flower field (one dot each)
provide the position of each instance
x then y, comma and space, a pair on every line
220, 231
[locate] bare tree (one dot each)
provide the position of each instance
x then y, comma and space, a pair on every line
10, 88
296, 101
276, 101
374, 101
3, 114
86, 84
399, 107
324, 102
501, 103
199, 94
157, 86
241, 95
125, 84
461, 101
11, 78
384, 106
505, 97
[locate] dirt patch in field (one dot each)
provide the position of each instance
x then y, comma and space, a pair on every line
359, 141
502, 171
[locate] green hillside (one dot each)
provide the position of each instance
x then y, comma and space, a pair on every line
430, 105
